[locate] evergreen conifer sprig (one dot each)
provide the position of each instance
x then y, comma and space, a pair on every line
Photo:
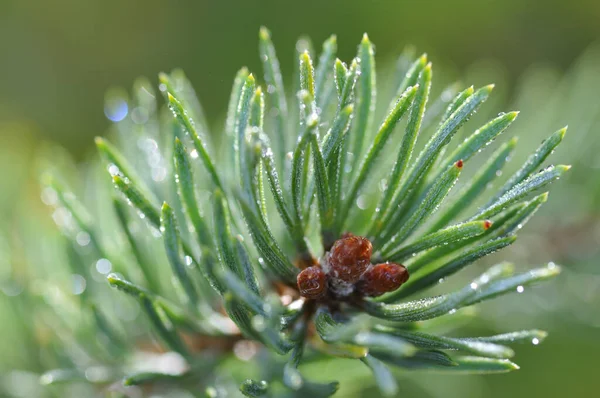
299, 238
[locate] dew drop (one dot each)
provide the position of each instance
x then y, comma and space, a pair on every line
103, 266
159, 174
116, 109
97, 374
535, 341
520, 289
473, 285
113, 170
12, 289
139, 115
78, 284
49, 196
83, 238
188, 260
361, 202
245, 350
258, 322
194, 154
296, 380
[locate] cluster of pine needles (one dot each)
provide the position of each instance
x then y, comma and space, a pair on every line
211, 241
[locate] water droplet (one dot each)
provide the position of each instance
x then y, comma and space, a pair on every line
159, 174
77, 284
116, 109
113, 170
139, 115
12, 289
245, 350
49, 196
441, 280
452, 311
296, 380
188, 260
83, 238
194, 154
211, 392
258, 322
103, 266
473, 285
361, 202
535, 341
520, 289
97, 374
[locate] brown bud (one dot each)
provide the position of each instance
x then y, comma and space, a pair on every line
312, 282
383, 278
349, 258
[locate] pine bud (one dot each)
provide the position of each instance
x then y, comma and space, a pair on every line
312, 282
349, 258
383, 278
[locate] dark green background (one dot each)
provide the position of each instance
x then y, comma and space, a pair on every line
59, 57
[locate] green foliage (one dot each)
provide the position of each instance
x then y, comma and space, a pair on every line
214, 270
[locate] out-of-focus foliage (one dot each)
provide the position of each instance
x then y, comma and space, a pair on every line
59, 61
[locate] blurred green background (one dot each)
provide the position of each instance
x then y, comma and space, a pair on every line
59, 59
